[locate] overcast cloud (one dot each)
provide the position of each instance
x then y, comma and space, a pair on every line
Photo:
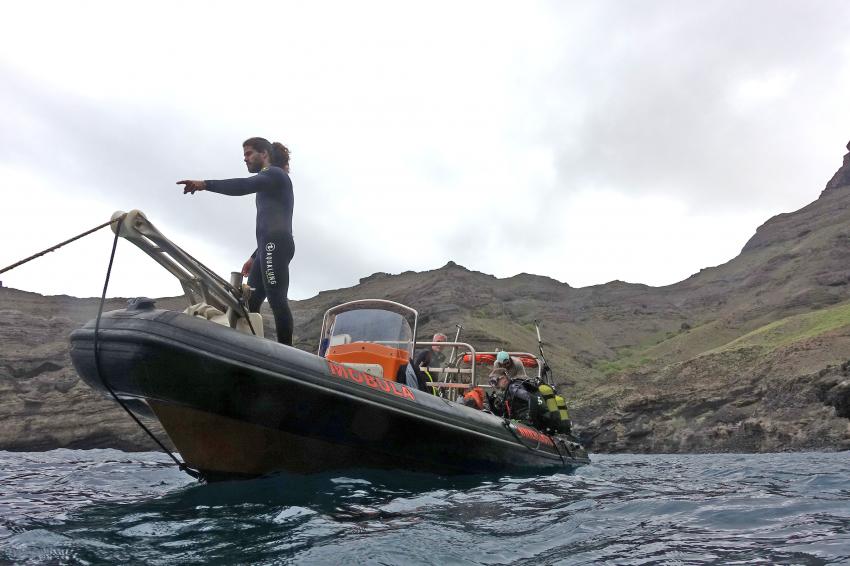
587, 142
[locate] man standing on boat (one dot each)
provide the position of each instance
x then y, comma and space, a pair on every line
268, 267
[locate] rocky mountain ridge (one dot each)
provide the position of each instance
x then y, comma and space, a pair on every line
750, 355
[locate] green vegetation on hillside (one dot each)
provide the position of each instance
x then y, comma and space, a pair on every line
793, 328
713, 338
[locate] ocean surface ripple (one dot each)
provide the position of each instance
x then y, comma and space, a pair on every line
107, 507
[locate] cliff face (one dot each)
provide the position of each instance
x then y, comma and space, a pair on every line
842, 176
750, 355
43, 403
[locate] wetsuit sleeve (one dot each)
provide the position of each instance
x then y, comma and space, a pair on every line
243, 186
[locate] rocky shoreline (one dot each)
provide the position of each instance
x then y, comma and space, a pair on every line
753, 411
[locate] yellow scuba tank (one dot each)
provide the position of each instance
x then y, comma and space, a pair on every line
549, 398
550, 418
562, 408
563, 416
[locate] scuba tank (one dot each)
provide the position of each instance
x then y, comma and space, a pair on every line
551, 414
564, 423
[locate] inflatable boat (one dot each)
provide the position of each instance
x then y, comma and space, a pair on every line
236, 404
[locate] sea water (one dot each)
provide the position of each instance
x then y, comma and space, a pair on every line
110, 507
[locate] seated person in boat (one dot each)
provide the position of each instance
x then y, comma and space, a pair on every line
430, 357
510, 399
512, 365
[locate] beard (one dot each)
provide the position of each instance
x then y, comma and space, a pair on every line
254, 167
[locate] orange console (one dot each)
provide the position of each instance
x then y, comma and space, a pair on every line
366, 355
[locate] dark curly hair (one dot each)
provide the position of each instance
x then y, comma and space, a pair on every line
278, 153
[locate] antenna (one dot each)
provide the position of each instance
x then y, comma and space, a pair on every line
546, 370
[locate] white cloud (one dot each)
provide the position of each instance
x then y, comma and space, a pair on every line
574, 139
763, 89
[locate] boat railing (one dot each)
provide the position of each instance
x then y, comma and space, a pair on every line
451, 373
521, 356
400, 344
455, 373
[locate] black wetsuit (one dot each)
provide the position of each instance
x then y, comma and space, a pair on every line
423, 358
513, 403
422, 361
275, 245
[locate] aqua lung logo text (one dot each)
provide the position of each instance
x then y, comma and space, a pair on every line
270, 275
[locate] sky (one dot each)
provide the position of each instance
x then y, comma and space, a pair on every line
583, 141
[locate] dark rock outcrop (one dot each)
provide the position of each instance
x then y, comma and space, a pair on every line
842, 176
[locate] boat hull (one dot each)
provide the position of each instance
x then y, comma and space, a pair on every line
237, 405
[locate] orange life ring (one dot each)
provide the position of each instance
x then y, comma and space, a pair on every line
481, 358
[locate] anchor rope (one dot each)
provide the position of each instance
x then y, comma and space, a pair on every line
57, 246
181, 465
96, 346
210, 272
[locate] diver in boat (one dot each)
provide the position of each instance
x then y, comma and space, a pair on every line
269, 277
510, 398
527, 400
430, 357
512, 365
